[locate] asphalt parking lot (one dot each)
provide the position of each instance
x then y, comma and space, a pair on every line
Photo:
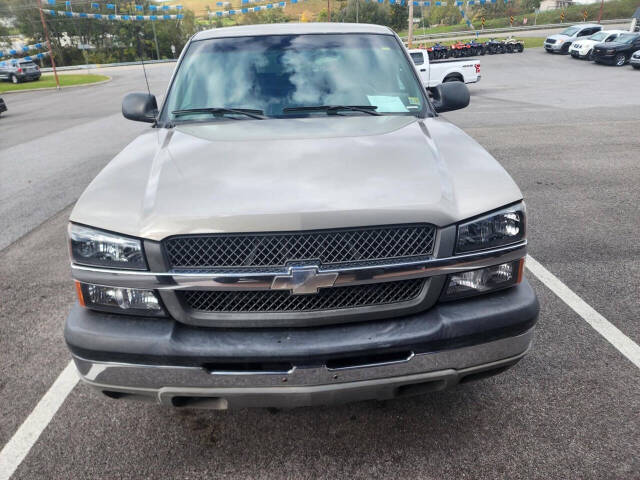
566, 130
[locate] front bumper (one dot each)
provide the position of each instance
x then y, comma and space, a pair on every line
579, 53
608, 58
553, 47
175, 364
634, 61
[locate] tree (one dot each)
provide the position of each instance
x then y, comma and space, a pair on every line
398, 17
110, 40
368, 12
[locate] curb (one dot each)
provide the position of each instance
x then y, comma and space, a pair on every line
56, 88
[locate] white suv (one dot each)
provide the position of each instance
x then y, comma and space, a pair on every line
583, 47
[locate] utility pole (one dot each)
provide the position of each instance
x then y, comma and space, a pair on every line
329, 10
155, 38
600, 13
46, 36
410, 23
357, 8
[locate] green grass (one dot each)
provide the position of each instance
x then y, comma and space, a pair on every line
48, 81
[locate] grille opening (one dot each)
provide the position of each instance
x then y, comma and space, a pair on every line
366, 360
327, 247
213, 403
248, 367
472, 377
420, 388
282, 301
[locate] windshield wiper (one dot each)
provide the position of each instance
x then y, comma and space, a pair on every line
219, 111
334, 109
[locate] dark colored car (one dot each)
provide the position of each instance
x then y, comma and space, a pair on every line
619, 52
19, 70
3, 106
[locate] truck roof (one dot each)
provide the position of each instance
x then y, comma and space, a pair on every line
291, 29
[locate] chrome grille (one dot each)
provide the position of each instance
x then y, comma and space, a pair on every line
281, 301
326, 247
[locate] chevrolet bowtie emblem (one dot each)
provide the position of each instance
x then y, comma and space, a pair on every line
303, 280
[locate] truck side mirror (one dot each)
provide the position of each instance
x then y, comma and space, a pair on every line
450, 96
140, 107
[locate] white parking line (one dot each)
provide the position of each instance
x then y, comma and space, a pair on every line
610, 332
23, 440
27, 435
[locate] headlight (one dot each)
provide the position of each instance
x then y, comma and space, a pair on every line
610, 52
483, 280
132, 301
496, 229
102, 249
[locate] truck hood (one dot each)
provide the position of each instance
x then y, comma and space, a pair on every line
585, 43
294, 174
559, 36
613, 46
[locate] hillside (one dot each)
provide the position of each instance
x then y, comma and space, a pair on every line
292, 10
447, 18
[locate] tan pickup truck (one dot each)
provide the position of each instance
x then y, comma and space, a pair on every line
298, 226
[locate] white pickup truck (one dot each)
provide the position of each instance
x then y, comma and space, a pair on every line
433, 73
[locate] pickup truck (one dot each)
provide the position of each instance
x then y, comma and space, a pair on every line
299, 226
434, 72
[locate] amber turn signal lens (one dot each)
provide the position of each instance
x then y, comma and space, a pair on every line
520, 270
79, 293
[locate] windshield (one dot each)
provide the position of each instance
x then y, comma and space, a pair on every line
278, 72
626, 38
570, 32
598, 36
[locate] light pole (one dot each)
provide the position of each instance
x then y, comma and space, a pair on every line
410, 39
600, 13
46, 36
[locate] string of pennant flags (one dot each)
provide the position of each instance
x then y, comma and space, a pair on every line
112, 16
224, 13
28, 58
416, 3
114, 7
18, 51
268, 6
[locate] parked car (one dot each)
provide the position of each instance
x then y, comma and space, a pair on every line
560, 42
583, 48
619, 52
3, 106
635, 60
433, 73
299, 227
19, 70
